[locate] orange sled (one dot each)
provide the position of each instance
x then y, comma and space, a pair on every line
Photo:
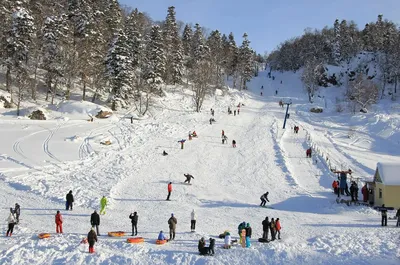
116, 234
44, 235
161, 242
135, 240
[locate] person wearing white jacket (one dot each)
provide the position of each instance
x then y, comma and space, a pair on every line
227, 240
11, 222
193, 221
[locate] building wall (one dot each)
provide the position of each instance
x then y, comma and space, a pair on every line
390, 195
379, 187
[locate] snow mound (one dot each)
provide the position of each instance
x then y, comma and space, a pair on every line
80, 107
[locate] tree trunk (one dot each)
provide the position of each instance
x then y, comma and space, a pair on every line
48, 84
35, 84
84, 91
53, 92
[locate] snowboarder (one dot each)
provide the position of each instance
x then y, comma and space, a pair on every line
59, 222
233, 143
161, 236
278, 227
95, 221
265, 225
308, 152
188, 178
398, 217
211, 247
70, 201
11, 222
272, 229
384, 215
248, 235
92, 238
169, 190
172, 226
202, 246
134, 219
264, 199
103, 204
193, 221
164, 153
241, 226
183, 141
17, 211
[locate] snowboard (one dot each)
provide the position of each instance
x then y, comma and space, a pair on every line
187, 183
269, 207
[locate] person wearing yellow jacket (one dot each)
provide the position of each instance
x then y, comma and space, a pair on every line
103, 204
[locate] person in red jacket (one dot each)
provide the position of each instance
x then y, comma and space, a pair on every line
365, 194
169, 190
59, 222
335, 186
278, 227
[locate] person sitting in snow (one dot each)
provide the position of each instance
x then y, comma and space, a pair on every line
211, 247
164, 153
202, 246
161, 236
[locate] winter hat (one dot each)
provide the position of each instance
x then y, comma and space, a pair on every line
248, 224
172, 214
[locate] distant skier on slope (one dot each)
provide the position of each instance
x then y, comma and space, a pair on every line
264, 199
169, 190
11, 222
103, 204
70, 201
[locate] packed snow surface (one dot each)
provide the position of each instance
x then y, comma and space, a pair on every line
40, 161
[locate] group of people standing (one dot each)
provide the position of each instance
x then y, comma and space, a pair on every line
273, 226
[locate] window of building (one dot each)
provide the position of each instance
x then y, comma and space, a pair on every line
380, 193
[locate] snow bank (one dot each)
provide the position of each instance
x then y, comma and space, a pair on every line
80, 107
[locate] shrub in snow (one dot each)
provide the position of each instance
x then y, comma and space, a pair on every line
37, 115
316, 110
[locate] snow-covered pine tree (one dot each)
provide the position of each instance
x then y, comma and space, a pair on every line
187, 39
19, 44
336, 42
118, 69
154, 65
173, 49
345, 41
215, 44
245, 62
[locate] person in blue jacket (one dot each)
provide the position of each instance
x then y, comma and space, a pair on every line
161, 236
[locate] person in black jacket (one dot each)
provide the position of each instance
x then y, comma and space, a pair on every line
17, 211
384, 215
188, 178
264, 199
134, 217
95, 221
92, 238
211, 247
70, 201
202, 246
265, 225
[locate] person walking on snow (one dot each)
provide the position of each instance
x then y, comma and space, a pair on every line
103, 204
234, 113
238, 111
92, 238
17, 211
278, 227
188, 178
95, 221
264, 199
265, 225
11, 222
59, 222
364, 191
134, 219
169, 190
233, 143
172, 226
384, 215
70, 200
224, 139
193, 221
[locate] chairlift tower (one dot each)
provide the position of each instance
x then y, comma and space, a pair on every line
287, 112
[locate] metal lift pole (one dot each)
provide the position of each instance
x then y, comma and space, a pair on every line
287, 110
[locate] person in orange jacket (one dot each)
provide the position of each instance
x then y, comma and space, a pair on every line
335, 186
169, 190
59, 222
278, 228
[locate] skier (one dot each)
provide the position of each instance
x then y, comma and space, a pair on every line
164, 153
103, 204
95, 221
278, 227
188, 178
172, 226
70, 200
202, 246
264, 199
384, 215
169, 190
161, 236
59, 222
92, 238
17, 211
211, 247
265, 225
134, 219
248, 235
11, 222
233, 143
193, 221
272, 229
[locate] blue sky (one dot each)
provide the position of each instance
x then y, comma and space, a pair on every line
267, 22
